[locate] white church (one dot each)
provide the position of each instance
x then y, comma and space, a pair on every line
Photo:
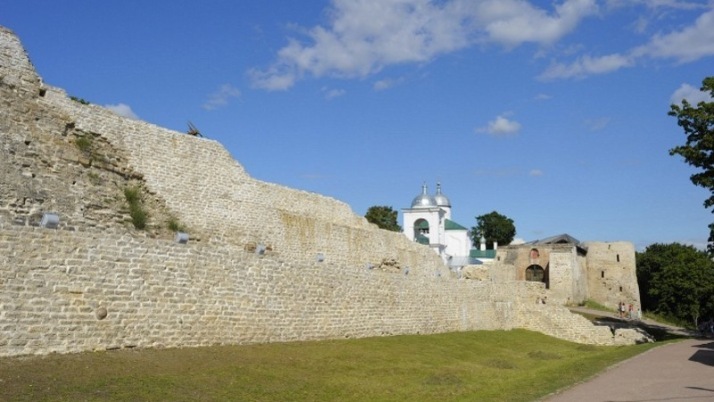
428, 221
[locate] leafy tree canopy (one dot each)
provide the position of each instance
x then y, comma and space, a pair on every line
698, 124
676, 281
493, 227
384, 217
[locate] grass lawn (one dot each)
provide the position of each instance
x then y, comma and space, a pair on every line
513, 365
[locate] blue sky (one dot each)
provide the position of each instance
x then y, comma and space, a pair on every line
553, 113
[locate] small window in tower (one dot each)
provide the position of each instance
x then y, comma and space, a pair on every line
618, 258
620, 288
602, 274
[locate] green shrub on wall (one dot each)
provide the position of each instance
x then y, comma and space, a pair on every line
84, 144
174, 225
138, 215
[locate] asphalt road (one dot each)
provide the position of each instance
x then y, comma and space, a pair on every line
682, 371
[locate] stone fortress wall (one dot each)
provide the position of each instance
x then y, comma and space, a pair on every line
97, 283
604, 272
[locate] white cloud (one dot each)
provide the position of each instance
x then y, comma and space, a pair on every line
362, 37
332, 93
498, 172
686, 45
597, 124
543, 97
689, 44
501, 126
386, 83
535, 173
221, 96
586, 66
691, 94
655, 4
512, 22
122, 110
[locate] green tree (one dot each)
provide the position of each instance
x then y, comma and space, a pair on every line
384, 217
698, 124
493, 227
676, 281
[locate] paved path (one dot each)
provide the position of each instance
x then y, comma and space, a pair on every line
682, 371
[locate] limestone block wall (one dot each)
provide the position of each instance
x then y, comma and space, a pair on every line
612, 275
203, 186
209, 191
561, 275
568, 275
94, 291
97, 283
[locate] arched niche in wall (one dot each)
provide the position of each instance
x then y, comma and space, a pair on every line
535, 273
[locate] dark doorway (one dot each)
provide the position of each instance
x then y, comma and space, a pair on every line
535, 273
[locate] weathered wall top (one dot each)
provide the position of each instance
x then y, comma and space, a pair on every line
194, 180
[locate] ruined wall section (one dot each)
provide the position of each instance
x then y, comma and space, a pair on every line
612, 274
206, 189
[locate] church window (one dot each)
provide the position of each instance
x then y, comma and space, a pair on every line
618, 258
421, 231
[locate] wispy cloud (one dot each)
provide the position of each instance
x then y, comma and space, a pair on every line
535, 173
498, 172
691, 94
688, 44
363, 37
332, 93
220, 97
597, 124
586, 65
501, 126
387, 83
507, 172
122, 110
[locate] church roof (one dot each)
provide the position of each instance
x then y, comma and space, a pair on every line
441, 199
559, 239
451, 225
424, 200
476, 253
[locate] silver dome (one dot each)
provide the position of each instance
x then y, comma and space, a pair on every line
424, 200
441, 199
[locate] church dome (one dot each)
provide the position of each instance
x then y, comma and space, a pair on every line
441, 199
424, 200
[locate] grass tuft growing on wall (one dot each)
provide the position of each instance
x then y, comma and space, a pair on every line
174, 225
139, 216
84, 144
